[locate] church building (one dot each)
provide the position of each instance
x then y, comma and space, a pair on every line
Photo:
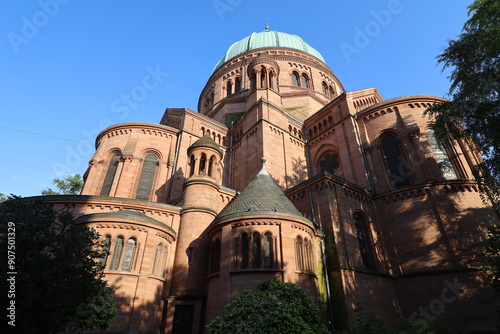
281, 173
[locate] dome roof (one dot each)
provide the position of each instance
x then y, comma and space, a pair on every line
262, 196
265, 39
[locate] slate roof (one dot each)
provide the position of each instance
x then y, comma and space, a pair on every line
262, 196
126, 215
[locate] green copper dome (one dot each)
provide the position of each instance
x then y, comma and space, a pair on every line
265, 39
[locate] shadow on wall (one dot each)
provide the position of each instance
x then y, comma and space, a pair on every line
432, 244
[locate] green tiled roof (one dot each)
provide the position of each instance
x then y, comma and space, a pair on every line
262, 196
266, 39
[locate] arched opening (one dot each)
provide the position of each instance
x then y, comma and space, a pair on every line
304, 81
399, 172
295, 79
117, 253
364, 241
146, 180
110, 175
129, 254
203, 163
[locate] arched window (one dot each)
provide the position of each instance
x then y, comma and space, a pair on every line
211, 164
245, 248
191, 165
203, 164
441, 156
256, 250
117, 253
229, 88
215, 256
271, 80
331, 92
110, 175
157, 261
268, 250
325, 88
237, 85
147, 178
304, 254
295, 79
263, 78
299, 259
106, 245
129, 254
253, 81
364, 241
396, 164
304, 81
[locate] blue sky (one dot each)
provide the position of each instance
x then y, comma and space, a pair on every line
71, 68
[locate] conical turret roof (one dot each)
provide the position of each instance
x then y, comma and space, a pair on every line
206, 141
262, 196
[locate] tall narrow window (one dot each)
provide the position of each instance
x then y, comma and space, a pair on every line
298, 253
256, 250
191, 165
268, 250
253, 82
117, 253
211, 163
271, 80
295, 79
229, 88
147, 178
105, 251
110, 175
307, 255
215, 256
157, 260
399, 172
364, 241
441, 157
245, 246
331, 92
237, 85
129, 254
203, 163
304, 81
190, 253
325, 88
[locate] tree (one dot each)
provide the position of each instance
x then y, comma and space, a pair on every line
275, 307
68, 186
472, 113
54, 281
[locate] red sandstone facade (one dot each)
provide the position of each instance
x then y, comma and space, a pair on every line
388, 219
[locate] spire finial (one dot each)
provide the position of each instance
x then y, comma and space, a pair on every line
263, 160
267, 26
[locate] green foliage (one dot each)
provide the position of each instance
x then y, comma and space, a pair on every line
371, 324
59, 286
72, 185
492, 251
473, 112
275, 307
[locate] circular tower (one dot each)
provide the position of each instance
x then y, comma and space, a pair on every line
199, 210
